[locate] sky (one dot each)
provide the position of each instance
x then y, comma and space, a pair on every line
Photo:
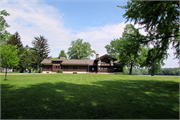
62, 21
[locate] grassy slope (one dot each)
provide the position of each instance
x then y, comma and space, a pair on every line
89, 96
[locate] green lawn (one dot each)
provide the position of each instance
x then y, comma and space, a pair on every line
87, 96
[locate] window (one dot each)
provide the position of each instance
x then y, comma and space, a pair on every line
65, 67
58, 67
83, 67
54, 67
47, 67
115, 68
75, 67
99, 68
92, 68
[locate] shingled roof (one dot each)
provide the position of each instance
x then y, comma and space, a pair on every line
77, 62
47, 61
70, 62
106, 55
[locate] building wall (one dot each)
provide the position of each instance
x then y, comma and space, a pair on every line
47, 67
74, 68
103, 68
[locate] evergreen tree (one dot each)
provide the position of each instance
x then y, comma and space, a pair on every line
40, 49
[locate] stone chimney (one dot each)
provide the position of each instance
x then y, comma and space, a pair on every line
97, 55
62, 58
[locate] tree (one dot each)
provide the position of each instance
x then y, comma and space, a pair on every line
15, 40
154, 64
127, 47
62, 54
9, 57
113, 48
80, 50
4, 34
40, 49
27, 59
161, 18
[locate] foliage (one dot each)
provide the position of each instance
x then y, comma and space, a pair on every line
169, 71
4, 34
160, 18
152, 62
27, 59
144, 71
40, 49
62, 54
127, 47
15, 40
9, 56
80, 50
59, 71
161, 71
124, 70
38, 70
113, 48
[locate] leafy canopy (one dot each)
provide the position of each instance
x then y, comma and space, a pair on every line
62, 54
9, 56
80, 50
127, 48
160, 18
4, 34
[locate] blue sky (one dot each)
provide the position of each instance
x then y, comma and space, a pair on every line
62, 21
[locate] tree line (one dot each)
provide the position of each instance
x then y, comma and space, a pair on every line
160, 19
162, 71
24, 58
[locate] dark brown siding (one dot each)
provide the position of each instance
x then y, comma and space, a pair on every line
47, 67
70, 68
118, 69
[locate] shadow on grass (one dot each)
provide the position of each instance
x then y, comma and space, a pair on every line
118, 99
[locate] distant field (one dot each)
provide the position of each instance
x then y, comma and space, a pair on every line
87, 96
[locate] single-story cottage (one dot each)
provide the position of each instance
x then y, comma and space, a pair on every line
103, 64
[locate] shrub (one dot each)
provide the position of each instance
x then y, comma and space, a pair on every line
59, 71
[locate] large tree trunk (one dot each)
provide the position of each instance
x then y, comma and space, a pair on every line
152, 72
21, 70
130, 71
5, 74
40, 68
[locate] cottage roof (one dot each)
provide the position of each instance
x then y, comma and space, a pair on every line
106, 55
116, 63
46, 61
77, 62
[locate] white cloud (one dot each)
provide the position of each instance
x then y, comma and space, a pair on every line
36, 18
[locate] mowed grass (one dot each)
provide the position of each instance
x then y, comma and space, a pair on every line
87, 96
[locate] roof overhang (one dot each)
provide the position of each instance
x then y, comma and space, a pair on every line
57, 60
106, 56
